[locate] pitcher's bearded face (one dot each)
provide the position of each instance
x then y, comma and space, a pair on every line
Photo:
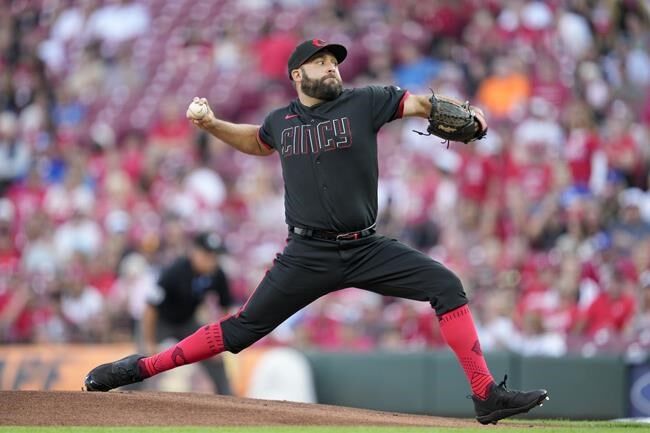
327, 88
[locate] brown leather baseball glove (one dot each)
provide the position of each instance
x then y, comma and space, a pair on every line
452, 120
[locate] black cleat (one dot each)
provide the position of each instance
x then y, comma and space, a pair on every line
114, 374
502, 402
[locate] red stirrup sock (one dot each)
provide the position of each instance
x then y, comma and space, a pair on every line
206, 342
459, 332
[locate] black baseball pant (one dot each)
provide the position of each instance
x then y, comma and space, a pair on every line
310, 268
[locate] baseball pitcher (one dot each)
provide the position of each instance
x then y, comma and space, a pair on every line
326, 140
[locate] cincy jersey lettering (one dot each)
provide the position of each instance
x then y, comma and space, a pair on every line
321, 137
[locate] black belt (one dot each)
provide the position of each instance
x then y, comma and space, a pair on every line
332, 236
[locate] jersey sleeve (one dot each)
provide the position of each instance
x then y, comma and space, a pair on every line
264, 136
386, 104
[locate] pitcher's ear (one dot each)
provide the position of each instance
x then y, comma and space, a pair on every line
296, 74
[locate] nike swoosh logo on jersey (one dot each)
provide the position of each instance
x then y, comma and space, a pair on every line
290, 116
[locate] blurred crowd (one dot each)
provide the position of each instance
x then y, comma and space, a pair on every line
546, 221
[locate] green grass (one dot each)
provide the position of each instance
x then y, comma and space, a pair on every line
554, 426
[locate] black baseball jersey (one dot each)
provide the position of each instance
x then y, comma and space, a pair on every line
181, 290
329, 156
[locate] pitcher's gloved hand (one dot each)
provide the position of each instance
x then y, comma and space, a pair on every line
452, 120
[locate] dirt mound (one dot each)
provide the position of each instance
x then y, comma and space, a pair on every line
157, 408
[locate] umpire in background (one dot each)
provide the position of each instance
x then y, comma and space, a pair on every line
181, 290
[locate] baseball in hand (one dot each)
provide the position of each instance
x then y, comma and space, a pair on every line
197, 109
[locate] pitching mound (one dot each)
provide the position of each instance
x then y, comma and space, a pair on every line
158, 408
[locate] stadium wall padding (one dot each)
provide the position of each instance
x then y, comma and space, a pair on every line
433, 383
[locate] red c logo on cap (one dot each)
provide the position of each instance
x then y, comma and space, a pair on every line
318, 42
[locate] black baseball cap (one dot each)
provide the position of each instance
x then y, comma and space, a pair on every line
308, 48
210, 242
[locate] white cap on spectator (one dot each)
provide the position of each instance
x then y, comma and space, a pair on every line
7, 211
102, 134
536, 15
83, 202
32, 118
117, 221
631, 197
589, 71
540, 107
448, 161
133, 265
645, 279
206, 185
636, 197
638, 67
490, 145
574, 32
8, 123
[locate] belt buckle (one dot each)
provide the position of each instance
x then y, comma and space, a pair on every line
349, 236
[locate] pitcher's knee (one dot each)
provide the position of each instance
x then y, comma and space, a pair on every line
449, 294
237, 336
454, 284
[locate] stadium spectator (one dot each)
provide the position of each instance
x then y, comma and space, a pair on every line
14, 154
505, 90
610, 314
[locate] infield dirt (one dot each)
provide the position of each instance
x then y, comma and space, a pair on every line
69, 408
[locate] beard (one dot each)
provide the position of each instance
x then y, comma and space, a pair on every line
327, 88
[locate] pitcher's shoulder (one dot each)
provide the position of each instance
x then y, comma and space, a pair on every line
280, 111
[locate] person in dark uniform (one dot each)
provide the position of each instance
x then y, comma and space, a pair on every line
326, 140
182, 289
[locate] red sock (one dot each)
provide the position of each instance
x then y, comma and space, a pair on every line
206, 342
459, 332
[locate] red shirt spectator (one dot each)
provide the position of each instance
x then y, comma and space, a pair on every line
545, 83
579, 150
323, 332
273, 51
445, 18
621, 148
29, 319
534, 179
9, 254
130, 156
608, 313
132, 160
645, 114
27, 197
562, 318
474, 175
101, 275
613, 308
171, 130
